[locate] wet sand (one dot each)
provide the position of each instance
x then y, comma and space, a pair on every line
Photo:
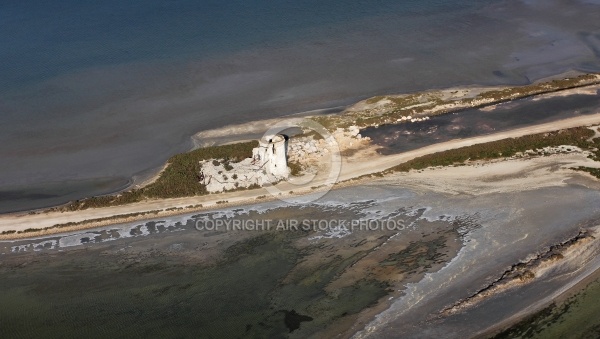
354, 167
463, 227
573, 314
524, 230
258, 279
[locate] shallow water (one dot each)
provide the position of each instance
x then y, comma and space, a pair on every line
165, 277
575, 318
108, 90
397, 138
519, 225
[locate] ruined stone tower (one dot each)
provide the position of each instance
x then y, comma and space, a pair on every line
271, 155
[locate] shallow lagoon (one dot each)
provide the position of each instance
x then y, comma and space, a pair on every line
402, 137
166, 277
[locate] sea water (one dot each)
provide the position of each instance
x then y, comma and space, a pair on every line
92, 94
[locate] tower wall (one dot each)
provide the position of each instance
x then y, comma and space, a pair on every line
278, 163
271, 154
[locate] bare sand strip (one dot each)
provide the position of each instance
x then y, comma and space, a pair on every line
381, 163
351, 168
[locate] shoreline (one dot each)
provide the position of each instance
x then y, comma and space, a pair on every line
504, 176
560, 297
237, 133
366, 162
573, 81
351, 174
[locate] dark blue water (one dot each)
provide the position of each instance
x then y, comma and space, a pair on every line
97, 91
47, 39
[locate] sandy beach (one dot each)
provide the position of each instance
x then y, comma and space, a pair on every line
362, 163
464, 227
464, 200
118, 217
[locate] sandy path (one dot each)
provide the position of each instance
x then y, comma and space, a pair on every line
351, 168
355, 169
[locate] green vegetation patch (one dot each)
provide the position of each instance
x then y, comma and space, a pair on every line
593, 171
577, 317
295, 168
179, 179
425, 103
501, 148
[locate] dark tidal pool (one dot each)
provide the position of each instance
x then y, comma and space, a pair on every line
397, 138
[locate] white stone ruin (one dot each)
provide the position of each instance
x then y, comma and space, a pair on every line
267, 165
271, 153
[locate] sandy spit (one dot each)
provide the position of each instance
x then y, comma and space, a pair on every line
363, 163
